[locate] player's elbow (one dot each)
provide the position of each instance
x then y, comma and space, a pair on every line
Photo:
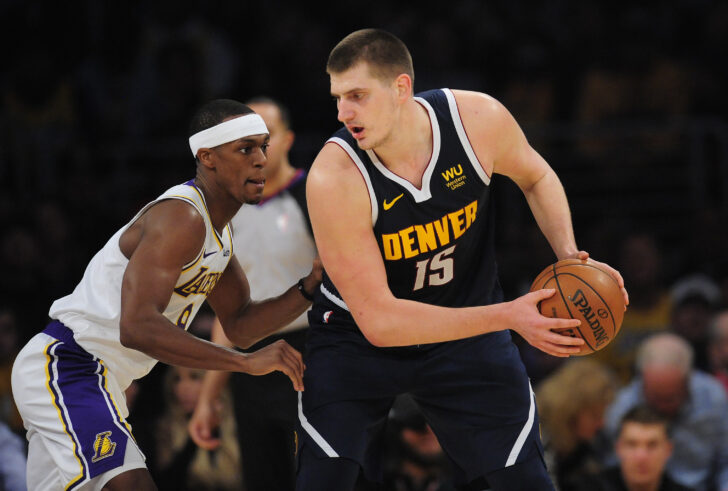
374, 318
129, 334
377, 331
244, 342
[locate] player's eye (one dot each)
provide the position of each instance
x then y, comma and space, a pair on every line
264, 147
245, 150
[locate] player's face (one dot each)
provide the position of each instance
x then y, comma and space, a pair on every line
367, 105
240, 166
643, 451
281, 137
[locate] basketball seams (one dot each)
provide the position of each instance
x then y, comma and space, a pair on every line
565, 271
566, 304
581, 263
596, 292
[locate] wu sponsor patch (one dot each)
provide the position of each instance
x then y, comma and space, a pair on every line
454, 177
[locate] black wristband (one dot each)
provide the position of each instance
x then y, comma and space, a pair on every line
303, 291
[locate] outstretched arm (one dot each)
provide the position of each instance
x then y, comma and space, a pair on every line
245, 321
159, 244
340, 213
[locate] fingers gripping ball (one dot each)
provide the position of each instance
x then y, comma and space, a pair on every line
585, 292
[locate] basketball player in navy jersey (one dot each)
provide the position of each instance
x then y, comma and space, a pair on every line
133, 305
399, 201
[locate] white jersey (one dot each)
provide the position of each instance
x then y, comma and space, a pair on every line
274, 246
93, 310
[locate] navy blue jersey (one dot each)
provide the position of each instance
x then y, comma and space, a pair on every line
436, 242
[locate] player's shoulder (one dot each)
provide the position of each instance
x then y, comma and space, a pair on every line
334, 161
483, 104
174, 214
335, 177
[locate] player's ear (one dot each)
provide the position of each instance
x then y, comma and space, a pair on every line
289, 138
403, 84
204, 157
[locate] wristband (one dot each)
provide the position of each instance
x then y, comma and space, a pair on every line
303, 291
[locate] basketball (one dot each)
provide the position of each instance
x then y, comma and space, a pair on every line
585, 292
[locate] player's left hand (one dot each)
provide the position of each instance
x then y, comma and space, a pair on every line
277, 356
584, 256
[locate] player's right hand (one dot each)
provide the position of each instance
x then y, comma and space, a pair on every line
277, 356
204, 423
536, 329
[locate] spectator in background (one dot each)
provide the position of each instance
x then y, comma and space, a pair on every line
695, 299
643, 448
571, 404
13, 455
718, 347
10, 344
175, 462
415, 460
693, 402
650, 302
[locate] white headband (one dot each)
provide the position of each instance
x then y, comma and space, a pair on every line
227, 131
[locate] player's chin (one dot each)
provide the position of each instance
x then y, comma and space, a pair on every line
253, 200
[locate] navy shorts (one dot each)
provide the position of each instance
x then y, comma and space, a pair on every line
474, 393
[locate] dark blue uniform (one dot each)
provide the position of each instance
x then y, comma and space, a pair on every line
437, 244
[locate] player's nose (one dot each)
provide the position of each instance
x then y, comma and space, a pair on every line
345, 113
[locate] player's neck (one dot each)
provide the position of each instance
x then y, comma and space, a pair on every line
408, 149
275, 182
221, 210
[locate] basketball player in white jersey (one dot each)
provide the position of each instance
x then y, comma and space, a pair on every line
278, 249
132, 308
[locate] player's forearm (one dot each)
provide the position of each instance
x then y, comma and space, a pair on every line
550, 208
399, 322
160, 339
260, 319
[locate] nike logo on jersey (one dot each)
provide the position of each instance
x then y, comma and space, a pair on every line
205, 254
391, 203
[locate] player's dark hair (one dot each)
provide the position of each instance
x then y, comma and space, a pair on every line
285, 114
644, 415
386, 55
215, 112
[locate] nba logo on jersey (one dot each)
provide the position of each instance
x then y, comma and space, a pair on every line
327, 314
103, 446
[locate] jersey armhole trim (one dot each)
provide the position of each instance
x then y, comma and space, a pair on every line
362, 170
463, 135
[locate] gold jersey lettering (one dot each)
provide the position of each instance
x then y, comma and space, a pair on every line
458, 223
407, 241
202, 284
392, 248
418, 239
452, 172
426, 237
470, 211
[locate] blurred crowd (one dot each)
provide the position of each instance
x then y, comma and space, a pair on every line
625, 100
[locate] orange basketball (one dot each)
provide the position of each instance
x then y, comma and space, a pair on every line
585, 292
